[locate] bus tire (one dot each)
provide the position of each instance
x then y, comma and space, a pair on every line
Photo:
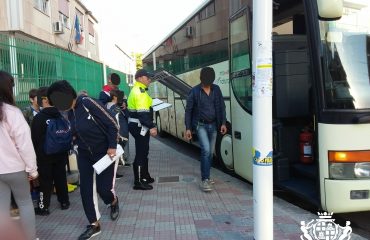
224, 150
158, 122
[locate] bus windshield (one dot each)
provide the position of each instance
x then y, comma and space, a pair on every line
346, 48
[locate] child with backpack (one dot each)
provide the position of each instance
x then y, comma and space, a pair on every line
119, 111
51, 137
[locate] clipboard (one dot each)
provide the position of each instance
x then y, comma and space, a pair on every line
158, 104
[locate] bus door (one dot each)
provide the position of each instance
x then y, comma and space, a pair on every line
177, 91
241, 92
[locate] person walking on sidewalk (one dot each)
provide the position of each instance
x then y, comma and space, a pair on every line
205, 113
96, 135
29, 112
141, 127
18, 158
52, 167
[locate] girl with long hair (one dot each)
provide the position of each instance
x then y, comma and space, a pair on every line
17, 158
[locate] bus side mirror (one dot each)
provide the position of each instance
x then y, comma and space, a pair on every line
330, 9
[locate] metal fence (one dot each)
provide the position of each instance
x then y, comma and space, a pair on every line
35, 65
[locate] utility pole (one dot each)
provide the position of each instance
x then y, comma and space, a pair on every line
262, 120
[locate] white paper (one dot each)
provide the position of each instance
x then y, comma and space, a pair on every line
143, 130
106, 161
156, 101
161, 106
262, 84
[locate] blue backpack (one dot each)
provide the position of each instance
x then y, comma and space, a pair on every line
58, 138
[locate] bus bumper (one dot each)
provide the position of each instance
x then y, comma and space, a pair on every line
338, 197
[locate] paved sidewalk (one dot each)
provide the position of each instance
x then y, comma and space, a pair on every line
176, 208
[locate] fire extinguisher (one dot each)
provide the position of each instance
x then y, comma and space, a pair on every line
306, 146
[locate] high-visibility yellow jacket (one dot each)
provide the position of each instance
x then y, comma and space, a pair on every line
139, 105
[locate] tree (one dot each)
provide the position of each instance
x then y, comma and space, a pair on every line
138, 59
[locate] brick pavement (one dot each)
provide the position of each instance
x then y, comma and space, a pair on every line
175, 210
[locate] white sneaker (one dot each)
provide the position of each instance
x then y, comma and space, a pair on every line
211, 181
206, 186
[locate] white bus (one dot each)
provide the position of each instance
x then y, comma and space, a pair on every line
321, 94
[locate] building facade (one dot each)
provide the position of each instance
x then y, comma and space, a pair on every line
66, 24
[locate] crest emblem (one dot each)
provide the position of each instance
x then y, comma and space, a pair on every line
324, 228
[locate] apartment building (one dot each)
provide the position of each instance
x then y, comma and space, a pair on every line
67, 24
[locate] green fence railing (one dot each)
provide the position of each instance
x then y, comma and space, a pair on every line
35, 65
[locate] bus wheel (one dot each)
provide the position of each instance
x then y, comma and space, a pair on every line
159, 125
224, 149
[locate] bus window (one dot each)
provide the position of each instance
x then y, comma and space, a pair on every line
345, 49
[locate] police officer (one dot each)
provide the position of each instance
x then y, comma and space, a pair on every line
141, 127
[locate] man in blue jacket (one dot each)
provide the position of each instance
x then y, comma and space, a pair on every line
205, 113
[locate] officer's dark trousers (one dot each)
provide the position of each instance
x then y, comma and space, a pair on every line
142, 151
54, 172
92, 184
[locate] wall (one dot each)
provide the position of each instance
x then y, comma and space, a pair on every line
39, 24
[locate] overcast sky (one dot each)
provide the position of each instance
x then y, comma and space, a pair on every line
136, 25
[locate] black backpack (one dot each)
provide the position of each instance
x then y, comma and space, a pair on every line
58, 138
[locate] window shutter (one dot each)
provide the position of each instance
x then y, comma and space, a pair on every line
63, 7
91, 28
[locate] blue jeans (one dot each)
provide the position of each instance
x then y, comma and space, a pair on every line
207, 137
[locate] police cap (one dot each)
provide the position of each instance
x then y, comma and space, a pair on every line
143, 72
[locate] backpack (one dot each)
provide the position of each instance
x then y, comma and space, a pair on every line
122, 120
58, 138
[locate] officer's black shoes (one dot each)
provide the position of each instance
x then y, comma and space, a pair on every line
91, 231
65, 205
142, 186
148, 180
42, 211
114, 210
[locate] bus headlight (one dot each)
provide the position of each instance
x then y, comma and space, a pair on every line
341, 171
349, 170
349, 164
362, 170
